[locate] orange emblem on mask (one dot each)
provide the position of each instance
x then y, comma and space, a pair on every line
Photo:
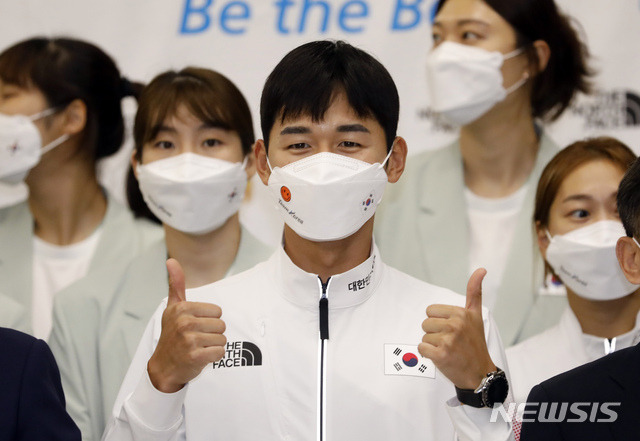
285, 193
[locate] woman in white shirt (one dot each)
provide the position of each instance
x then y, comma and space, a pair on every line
577, 226
60, 111
498, 69
193, 156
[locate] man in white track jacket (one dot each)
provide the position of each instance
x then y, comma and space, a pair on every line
322, 341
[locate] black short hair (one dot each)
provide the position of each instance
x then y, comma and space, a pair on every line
567, 71
628, 200
307, 79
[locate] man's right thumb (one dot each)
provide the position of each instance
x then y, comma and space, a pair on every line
176, 282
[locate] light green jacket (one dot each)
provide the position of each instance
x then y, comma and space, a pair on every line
422, 229
122, 238
98, 322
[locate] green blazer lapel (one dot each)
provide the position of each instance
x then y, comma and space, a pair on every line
147, 284
119, 238
515, 294
523, 272
442, 220
16, 254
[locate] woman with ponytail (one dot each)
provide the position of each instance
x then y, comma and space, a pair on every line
60, 112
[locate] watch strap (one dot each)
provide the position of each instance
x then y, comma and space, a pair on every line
469, 397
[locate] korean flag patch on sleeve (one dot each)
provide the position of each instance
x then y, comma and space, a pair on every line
406, 360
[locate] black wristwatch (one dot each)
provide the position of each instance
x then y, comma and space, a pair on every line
493, 389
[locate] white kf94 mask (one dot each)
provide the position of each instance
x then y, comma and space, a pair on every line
193, 193
327, 196
465, 82
21, 145
585, 260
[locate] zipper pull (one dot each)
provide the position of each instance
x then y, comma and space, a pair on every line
324, 310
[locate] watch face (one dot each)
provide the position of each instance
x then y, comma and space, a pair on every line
496, 390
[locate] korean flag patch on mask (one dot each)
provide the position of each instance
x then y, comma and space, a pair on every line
406, 360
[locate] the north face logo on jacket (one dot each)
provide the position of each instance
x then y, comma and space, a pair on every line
240, 353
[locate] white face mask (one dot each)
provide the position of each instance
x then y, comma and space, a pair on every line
193, 193
465, 82
585, 260
21, 145
327, 196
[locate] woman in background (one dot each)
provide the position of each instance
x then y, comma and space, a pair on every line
497, 69
59, 113
578, 226
193, 156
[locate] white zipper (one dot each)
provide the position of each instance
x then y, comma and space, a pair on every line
323, 334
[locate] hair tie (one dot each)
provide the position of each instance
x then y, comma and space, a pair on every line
126, 88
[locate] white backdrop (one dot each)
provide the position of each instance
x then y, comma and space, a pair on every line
244, 39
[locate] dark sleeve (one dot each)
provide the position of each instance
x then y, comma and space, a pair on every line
42, 415
532, 429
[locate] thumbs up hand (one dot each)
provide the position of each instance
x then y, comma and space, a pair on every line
454, 338
191, 337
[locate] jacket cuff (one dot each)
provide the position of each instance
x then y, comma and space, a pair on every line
472, 423
157, 410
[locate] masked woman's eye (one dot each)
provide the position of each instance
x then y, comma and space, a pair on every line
163, 144
579, 214
470, 36
212, 142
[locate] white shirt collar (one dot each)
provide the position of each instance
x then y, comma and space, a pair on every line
344, 290
596, 347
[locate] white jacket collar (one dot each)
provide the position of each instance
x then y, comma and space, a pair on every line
344, 290
596, 347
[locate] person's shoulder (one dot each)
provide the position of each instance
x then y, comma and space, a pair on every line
413, 291
570, 385
22, 353
12, 336
120, 219
405, 286
100, 288
442, 155
251, 251
429, 164
15, 344
93, 289
148, 231
250, 282
548, 148
544, 340
538, 358
15, 208
547, 144
14, 212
